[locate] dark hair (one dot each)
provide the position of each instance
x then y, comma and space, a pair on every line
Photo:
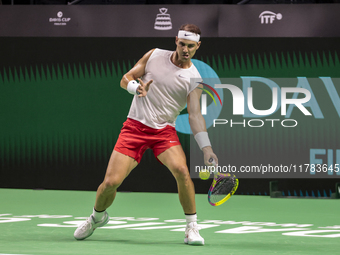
191, 28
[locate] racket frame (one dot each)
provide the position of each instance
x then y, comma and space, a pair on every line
217, 177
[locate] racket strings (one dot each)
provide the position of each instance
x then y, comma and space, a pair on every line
223, 187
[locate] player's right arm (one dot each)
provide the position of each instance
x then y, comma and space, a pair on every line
135, 73
198, 126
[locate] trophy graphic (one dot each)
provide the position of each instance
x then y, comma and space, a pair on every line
163, 20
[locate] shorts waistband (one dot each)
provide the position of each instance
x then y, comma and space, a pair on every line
147, 128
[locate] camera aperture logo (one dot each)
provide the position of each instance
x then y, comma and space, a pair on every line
60, 20
204, 97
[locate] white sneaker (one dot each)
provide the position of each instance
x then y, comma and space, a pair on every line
192, 236
87, 228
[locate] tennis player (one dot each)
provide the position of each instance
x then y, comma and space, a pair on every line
161, 93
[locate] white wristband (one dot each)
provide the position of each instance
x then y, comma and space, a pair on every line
132, 87
202, 139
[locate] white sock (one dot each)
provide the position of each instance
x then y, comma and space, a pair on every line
98, 216
191, 218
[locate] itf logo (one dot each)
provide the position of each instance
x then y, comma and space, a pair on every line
268, 17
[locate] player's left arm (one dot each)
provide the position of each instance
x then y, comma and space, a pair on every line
134, 74
198, 126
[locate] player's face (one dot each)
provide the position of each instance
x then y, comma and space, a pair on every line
186, 49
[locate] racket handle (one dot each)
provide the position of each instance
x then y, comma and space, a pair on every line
212, 160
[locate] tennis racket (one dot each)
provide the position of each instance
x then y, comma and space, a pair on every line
222, 188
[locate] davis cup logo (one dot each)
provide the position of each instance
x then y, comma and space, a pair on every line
163, 20
60, 20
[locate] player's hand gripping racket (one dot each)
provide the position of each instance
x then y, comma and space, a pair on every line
222, 188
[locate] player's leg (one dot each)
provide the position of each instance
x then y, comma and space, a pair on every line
118, 169
174, 159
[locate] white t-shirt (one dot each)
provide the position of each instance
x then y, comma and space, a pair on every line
167, 95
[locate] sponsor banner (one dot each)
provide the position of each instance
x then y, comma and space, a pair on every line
106, 21
164, 20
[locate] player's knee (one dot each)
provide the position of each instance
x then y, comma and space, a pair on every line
181, 173
111, 184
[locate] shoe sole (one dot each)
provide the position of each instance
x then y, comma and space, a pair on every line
79, 239
193, 243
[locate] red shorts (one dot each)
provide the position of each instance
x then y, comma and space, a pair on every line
135, 138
